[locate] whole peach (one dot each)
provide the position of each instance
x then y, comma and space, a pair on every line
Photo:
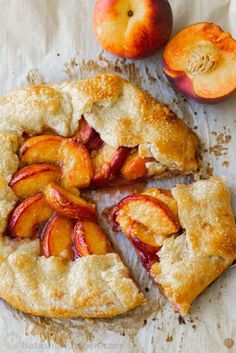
132, 29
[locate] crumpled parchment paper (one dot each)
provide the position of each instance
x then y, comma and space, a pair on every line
51, 40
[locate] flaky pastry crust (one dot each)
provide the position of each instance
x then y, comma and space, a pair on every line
123, 114
93, 286
190, 262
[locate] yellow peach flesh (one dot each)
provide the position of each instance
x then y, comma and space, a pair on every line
38, 149
33, 178
57, 239
26, 217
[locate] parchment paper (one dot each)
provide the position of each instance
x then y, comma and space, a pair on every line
50, 40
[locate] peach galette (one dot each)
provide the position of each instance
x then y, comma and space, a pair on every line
55, 141
185, 237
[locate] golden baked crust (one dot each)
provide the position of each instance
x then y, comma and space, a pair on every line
7, 202
9, 161
124, 115
191, 261
92, 286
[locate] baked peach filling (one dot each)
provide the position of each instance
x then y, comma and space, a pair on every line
147, 219
53, 170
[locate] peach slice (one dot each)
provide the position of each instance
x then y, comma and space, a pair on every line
57, 237
107, 162
141, 237
76, 164
148, 260
27, 217
144, 247
134, 167
150, 212
67, 204
164, 196
201, 62
38, 149
88, 136
132, 29
88, 239
33, 178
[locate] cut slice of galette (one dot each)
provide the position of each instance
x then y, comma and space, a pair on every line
185, 237
55, 260
55, 141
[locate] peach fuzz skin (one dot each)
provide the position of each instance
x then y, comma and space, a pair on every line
130, 30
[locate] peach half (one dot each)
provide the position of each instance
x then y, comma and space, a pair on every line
132, 29
200, 61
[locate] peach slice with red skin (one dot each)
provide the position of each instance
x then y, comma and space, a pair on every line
135, 166
143, 247
88, 238
150, 212
107, 162
164, 196
26, 218
201, 62
148, 260
88, 136
111, 214
67, 204
132, 29
57, 237
33, 178
134, 230
141, 239
76, 164
38, 149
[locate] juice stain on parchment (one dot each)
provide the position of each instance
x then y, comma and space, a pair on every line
77, 69
229, 342
219, 149
222, 140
